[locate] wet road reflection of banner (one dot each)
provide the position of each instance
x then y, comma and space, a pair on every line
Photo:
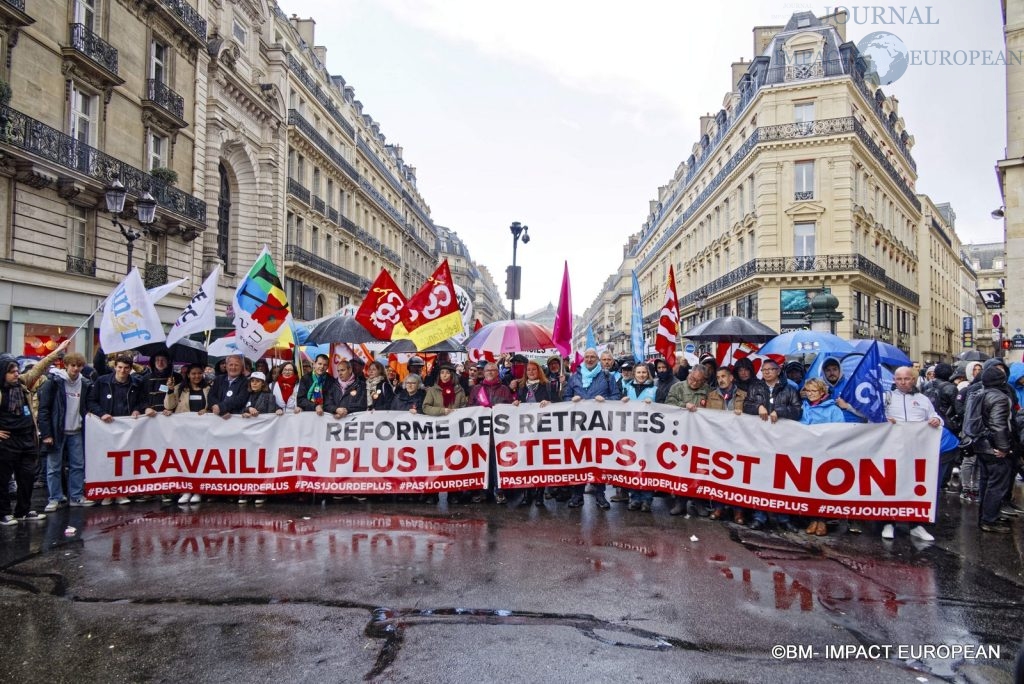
385, 452
873, 472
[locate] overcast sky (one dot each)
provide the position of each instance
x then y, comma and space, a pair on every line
567, 116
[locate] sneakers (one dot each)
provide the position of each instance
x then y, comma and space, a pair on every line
995, 527
260, 502
918, 532
122, 500
82, 503
8, 520
196, 498
1009, 510
645, 507
184, 499
620, 496
32, 516
634, 505
888, 532
601, 502
51, 506
242, 500
106, 502
576, 501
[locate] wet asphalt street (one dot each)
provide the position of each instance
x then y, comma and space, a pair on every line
338, 592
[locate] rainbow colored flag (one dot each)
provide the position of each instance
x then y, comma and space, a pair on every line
261, 308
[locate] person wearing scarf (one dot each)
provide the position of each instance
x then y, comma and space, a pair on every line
487, 393
19, 449
818, 408
590, 381
641, 388
284, 388
727, 396
534, 388
318, 391
441, 399
352, 390
379, 392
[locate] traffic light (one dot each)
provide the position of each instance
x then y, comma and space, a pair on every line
512, 277
1005, 344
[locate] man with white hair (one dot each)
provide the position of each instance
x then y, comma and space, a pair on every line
590, 381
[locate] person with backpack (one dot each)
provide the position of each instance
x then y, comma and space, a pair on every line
992, 445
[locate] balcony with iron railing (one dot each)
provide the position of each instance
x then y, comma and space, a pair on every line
98, 52
348, 225
12, 13
365, 148
304, 77
826, 263
298, 190
160, 93
307, 129
81, 265
319, 205
388, 208
303, 257
751, 85
43, 142
332, 215
185, 15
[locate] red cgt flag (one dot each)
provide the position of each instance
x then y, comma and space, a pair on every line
383, 307
668, 325
432, 314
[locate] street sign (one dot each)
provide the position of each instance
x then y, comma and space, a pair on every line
968, 325
968, 340
690, 348
1018, 341
997, 320
993, 299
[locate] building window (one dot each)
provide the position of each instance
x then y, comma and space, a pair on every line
329, 248
157, 151
314, 242
85, 13
804, 180
159, 55
224, 220
78, 232
803, 112
289, 229
803, 248
239, 32
84, 124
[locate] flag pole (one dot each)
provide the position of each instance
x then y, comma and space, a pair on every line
86, 321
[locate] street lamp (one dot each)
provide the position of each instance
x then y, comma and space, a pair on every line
145, 207
516, 229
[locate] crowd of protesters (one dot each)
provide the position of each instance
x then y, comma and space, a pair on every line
988, 458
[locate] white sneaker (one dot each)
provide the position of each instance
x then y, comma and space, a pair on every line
51, 506
888, 532
121, 500
921, 533
106, 502
195, 498
8, 520
184, 498
242, 500
259, 502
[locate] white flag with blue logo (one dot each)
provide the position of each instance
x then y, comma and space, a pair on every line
129, 318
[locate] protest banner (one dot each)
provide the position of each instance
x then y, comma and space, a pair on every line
384, 452
872, 472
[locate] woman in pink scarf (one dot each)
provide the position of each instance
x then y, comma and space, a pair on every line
490, 392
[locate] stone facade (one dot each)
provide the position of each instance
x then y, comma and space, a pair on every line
1010, 172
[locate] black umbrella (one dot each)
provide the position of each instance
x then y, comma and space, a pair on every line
407, 347
340, 329
973, 355
730, 329
182, 351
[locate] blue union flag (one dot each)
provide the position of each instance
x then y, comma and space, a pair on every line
864, 391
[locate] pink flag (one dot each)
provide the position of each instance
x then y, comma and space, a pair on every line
562, 332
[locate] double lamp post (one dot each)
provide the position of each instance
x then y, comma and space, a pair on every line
145, 208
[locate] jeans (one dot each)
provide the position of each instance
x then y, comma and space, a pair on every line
641, 495
969, 473
74, 447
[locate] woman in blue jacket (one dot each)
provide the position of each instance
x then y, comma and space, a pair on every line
818, 408
640, 388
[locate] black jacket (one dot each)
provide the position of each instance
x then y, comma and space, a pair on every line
783, 399
543, 392
331, 393
664, 385
996, 411
219, 394
53, 406
404, 401
354, 398
943, 396
108, 397
263, 402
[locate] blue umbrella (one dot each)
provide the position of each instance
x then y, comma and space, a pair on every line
889, 354
806, 342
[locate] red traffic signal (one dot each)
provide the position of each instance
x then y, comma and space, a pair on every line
1006, 344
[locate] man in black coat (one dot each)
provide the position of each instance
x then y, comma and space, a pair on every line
318, 390
993, 450
118, 394
351, 390
230, 392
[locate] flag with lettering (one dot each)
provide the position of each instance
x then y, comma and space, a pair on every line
432, 314
261, 308
129, 317
864, 391
200, 315
382, 308
668, 322
636, 323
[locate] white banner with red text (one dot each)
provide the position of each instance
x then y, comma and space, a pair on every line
383, 452
832, 471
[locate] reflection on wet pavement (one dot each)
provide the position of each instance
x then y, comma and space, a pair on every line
621, 581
